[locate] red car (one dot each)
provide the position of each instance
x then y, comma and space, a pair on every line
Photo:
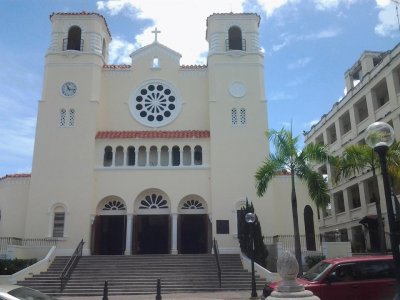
355, 278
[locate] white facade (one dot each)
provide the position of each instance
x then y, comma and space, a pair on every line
373, 94
153, 156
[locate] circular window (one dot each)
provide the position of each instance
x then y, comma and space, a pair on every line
155, 104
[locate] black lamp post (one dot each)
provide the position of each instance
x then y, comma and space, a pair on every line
380, 136
251, 219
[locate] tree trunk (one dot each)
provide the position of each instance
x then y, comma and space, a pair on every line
297, 247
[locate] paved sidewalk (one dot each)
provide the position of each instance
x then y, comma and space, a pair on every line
234, 295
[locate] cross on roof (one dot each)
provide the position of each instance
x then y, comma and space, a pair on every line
155, 31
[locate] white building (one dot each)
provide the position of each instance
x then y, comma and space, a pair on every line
151, 157
373, 94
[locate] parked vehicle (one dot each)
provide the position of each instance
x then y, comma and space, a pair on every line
16, 292
356, 278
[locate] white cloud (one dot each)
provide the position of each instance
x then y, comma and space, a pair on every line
176, 32
388, 23
332, 4
311, 123
270, 6
280, 96
300, 63
120, 51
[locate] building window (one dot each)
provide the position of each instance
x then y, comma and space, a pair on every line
74, 41
222, 226
198, 156
58, 221
119, 156
131, 156
114, 205
176, 156
156, 63
164, 157
155, 104
187, 157
192, 204
331, 134
345, 123
380, 95
354, 196
242, 116
108, 156
153, 201
234, 117
361, 110
339, 202
235, 41
142, 156
153, 157
63, 114
71, 120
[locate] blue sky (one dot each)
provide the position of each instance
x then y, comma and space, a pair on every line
308, 45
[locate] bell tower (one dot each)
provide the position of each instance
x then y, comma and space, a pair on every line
237, 109
67, 118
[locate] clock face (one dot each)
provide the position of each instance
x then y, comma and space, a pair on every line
68, 89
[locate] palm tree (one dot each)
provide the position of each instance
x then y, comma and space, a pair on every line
289, 158
358, 158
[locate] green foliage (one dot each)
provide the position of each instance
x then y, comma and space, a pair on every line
8, 266
312, 260
260, 249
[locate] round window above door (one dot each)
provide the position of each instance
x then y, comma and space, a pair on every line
155, 103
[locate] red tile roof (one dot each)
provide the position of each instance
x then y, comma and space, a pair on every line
175, 134
82, 13
15, 176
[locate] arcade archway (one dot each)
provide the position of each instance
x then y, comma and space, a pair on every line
109, 227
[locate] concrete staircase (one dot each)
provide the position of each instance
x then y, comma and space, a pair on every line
138, 274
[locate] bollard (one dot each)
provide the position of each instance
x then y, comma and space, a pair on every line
105, 290
158, 296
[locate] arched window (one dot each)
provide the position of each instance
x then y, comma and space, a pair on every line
63, 114
198, 156
309, 227
74, 41
142, 156
153, 158
235, 38
119, 156
176, 156
108, 156
164, 157
131, 156
187, 159
58, 221
156, 63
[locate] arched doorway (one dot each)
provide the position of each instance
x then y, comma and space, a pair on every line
152, 223
109, 227
194, 226
309, 228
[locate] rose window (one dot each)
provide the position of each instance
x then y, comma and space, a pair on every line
153, 201
192, 204
155, 104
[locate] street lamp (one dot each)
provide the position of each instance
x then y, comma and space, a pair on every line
251, 219
380, 136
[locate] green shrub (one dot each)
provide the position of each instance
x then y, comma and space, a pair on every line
312, 260
8, 266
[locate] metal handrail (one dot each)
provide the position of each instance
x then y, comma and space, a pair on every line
216, 253
69, 267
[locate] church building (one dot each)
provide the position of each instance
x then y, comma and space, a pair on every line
150, 157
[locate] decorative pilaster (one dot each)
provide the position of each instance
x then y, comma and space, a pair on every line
128, 243
174, 234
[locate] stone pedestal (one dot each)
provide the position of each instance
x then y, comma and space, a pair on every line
288, 268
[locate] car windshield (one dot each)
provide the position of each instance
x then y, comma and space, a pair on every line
317, 271
29, 294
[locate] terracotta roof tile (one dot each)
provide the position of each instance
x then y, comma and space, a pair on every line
177, 134
82, 13
15, 176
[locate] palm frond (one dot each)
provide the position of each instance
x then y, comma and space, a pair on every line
265, 173
317, 188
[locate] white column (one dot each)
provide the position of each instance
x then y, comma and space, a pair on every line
136, 156
170, 157
180, 156
174, 234
128, 240
192, 156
